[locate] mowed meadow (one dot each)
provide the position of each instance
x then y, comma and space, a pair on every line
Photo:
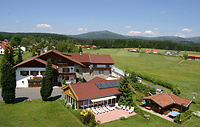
186, 75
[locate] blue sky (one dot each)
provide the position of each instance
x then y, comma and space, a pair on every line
127, 17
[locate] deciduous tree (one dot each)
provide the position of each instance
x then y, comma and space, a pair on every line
19, 56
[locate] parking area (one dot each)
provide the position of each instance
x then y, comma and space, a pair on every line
34, 93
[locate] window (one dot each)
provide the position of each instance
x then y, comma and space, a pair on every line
23, 82
34, 72
77, 70
107, 65
65, 69
59, 61
55, 61
42, 72
24, 73
100, 71
95, 65
67, 77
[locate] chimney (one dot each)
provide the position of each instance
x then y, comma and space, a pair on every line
80, 53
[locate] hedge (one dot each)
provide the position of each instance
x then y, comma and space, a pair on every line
184, 116
165, 84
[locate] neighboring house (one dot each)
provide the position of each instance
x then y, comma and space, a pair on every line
176, 54
23, 48
94, 46
148, 50
35, 44
66, 65
193, 57
133, 49
87, 46
168, 53
46, 48
3, 46
165, 102
93, 93
155, 51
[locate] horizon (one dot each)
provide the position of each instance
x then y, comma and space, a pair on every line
128, 18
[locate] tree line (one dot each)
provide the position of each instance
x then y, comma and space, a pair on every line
134, 43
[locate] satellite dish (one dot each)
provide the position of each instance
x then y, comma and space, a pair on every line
194, 94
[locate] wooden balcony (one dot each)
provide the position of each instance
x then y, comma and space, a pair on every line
62, 64
67, 74
101, 68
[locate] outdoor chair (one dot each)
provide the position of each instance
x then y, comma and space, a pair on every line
124, 107
104, 108
127, 108
111, 109
121, 106
117, 106
94, 111
98, 110
131, 110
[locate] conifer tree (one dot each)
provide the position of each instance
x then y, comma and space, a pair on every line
6, 55
19, 56
11, 57
8, 81
47, 81
80, 49
126, 97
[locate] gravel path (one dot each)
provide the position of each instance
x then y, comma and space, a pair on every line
152, 86
34, 93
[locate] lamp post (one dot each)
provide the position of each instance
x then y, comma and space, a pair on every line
180, 113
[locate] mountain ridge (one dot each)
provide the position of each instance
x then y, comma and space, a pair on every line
111, 35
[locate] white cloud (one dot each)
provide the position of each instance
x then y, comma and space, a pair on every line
134, 32
155, 28
163, 12
179, 35
149, 32
128, 27
17, 21
81, 29
43, 26
186, 30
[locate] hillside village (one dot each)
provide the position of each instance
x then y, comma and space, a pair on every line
91, 85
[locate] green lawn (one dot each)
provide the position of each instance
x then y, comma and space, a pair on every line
185, 75
37, 114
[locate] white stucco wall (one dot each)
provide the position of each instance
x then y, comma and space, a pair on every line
1, 50
23, 48
22, 81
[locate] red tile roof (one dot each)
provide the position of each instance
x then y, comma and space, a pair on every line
90, 90
148, 50
104, 59
92, 58
84, 57
166, 99
5, 45
194, 55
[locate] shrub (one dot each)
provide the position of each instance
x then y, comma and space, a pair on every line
124, 117
64, 81
185, 56
183, 116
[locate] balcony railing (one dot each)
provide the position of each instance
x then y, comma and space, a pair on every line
101, 68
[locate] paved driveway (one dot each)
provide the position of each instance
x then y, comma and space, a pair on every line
152, 86
34, 93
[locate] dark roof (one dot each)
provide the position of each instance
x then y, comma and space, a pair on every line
37, 58
166, 99
89, 89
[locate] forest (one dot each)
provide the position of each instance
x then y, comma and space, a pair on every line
67, 44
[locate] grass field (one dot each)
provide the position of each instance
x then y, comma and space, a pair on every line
37, 114
185, 75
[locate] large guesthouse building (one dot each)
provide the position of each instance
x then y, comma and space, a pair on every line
70, 66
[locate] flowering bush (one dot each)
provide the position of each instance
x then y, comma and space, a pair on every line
88, 117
